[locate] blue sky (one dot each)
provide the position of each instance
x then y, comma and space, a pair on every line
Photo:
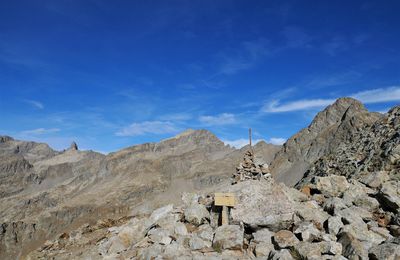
110, 74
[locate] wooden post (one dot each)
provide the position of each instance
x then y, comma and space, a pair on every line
225, 216
250, 137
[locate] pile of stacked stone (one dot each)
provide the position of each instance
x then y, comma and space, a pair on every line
250, 168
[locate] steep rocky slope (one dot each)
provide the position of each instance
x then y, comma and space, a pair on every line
335, 124
44, 192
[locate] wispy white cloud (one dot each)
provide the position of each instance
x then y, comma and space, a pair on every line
276, 107
382, 111
276, 141
221, 119
239, 143
34, 103
40, 131
148, 127
379, 95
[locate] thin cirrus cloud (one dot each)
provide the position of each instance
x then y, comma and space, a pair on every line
378, 95
40, 131
276, 107
239, 143
34, 103
277, 140
221, 119
148, 127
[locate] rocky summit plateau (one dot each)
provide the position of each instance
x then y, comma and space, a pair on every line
332, 191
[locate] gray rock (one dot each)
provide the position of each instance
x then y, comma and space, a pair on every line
196, 243
160, 236
387, 251
180, 229
375, 179
332, 185
274, 209
311, 211
283, 254
333, 205
352, 248
316, 250
228, 237
285, 239
263, 236
151, 252
307, 232
388, 196
264, 249
205, 232
176, 251
358, 195
197, 214
354, 216
190, 198
394, 230
160, 213
334, 224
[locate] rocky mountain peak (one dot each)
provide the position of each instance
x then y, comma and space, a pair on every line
330, 127
342, 107
199, 135
193, 138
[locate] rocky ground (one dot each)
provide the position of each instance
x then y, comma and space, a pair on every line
270, 221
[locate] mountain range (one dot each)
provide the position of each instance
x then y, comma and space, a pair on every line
45, 193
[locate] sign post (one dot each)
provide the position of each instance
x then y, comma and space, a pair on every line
225, 200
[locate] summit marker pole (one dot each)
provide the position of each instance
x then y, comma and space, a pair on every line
250, 137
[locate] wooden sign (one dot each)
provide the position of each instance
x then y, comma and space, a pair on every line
224, 199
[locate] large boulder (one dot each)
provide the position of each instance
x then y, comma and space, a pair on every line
228, 237
331, 185
262, 204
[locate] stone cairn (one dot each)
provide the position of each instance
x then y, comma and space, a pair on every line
250, 169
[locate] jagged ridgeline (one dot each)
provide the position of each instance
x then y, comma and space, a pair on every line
334, 194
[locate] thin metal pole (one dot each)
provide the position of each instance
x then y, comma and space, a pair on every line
250, 136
